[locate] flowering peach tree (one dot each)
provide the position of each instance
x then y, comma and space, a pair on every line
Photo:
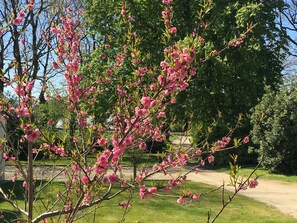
142, 94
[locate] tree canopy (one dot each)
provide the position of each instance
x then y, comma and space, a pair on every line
233, 81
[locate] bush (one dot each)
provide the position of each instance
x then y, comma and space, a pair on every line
274, 122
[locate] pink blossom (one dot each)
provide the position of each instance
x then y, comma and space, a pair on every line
164, 64
25, 185
102, 141
75, 139
181, 200
164, 15
113, 178
103, 56
106, 80
33, 135
195, 197
140, 112
142, 146
167, 2
202, 162
29, 86
13, 179
20, 90
253, 183
21, 14
5, 156
198, 152
152, 190
17, 21
50, 122
54, 30
243, 186
161, 115
173, 100
123, 11
87, 197
124, 204
12, 158
246, 139
214, 53
30, 6
146, 101
85, 179
172, 30
210, 158
75, 168
55, 65
108, 71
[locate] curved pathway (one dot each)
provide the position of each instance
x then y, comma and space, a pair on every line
278, 194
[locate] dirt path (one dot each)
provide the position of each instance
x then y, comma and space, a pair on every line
281, 195
278, 194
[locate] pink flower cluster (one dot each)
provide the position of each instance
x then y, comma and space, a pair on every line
174, 76
68, 53
192, 197
167, 15
253, 183
24, 92
220, 144
57, 150
145, 192
112, 178
167, 2
21, 15
124, 204
101, 165
31, 134
236, 43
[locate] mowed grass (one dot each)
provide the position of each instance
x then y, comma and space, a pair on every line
157, 209
142, 159
263, 174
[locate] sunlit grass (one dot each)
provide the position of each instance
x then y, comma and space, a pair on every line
158, 209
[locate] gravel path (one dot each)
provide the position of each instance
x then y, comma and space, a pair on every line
278, 194
281, 195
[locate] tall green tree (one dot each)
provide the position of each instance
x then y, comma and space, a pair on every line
234, 80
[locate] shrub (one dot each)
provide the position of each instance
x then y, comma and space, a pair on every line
274, 122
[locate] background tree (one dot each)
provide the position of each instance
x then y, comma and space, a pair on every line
275, 129
230, 83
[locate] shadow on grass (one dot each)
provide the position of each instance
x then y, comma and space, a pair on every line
10, 216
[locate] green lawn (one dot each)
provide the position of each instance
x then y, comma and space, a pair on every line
165, 209
263, 174
144, 159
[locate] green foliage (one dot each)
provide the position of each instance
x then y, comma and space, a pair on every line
230, 83
53, 109
275, 129
234, 80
